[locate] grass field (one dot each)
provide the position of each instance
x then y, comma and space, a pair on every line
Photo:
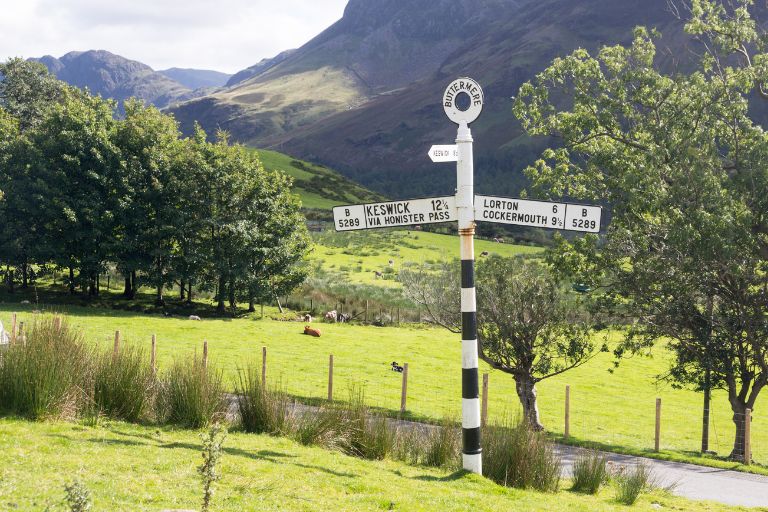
357, 255
134, 468
615, 409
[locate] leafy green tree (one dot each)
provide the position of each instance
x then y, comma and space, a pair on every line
72, 165
149, 188
27, 90
529, 326
682, 166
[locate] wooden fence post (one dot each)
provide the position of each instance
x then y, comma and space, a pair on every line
404, 392
22, 336
116, 348
567, 432
13, 329
57, 323
657, 443
748, 437
153, 355
484, 403
330, 378
263, 366
205, 354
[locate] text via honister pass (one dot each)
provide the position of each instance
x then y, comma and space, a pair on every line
395, 213
541, 214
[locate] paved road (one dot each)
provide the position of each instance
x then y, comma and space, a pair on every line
691, 481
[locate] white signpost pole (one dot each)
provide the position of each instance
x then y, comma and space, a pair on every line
470, 391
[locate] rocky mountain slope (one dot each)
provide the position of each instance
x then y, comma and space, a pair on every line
113, 76
364, 96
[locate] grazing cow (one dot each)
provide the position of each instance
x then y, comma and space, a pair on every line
308, 318
396, 367
331, 316
484, 253
25, 302
344, 318
309, 331
378, 274
195, 318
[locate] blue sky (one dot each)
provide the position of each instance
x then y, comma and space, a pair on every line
226, 35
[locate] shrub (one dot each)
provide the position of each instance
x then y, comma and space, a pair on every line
78, 497
192, 395
517, 456
123, 384
262, 411
590, 471
45, 376
631, 483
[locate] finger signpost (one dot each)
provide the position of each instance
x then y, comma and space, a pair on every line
466, 208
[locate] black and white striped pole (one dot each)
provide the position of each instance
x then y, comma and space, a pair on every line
471, 93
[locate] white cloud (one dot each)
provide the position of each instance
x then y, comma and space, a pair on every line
226, 35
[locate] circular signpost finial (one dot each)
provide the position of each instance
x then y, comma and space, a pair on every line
455, 90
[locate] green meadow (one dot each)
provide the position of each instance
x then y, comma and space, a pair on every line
614, 409
135, 468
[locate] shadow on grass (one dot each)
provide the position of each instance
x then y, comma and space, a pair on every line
456, 475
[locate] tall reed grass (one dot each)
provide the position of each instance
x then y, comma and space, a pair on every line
262, 411
517, 456
123, 384
191, 395
45, 374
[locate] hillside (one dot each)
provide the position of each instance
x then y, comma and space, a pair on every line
112, 76
363, 96
196, 78
319, 187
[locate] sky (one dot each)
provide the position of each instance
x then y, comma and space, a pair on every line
224, 35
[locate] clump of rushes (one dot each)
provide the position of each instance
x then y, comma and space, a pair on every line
123, 384
634, 481
262, 411
590, 472
514, 455
192, 394
78, 497
43, 374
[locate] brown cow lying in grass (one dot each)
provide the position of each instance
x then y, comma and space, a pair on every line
312, 332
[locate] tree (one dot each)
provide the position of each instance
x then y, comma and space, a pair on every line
72, 165
27, 90
682, 166
528, 325
150, 188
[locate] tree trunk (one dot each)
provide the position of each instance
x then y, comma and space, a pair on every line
134, 286
159, 300
739, 413
24, 275
189, 293
705, 416
232, 299
182, 290
9, 277
128, 290
221, 306
526, 392
71, 280
251, 304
